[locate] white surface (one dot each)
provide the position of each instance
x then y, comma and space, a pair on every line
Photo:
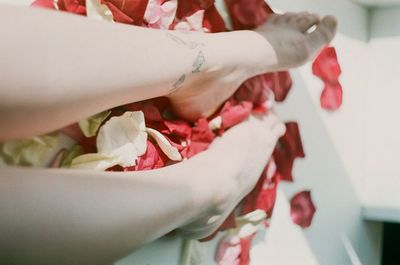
283, 234
383, 185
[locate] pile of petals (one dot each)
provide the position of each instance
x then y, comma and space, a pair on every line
146, 135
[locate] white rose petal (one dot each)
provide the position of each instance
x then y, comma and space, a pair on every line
94, 161
215, 123
94, 9
165, 145
247, 230
120, 141
124, 137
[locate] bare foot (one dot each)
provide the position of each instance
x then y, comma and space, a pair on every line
288, 35
289, 44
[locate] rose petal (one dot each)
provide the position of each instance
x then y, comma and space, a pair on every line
91, 125
263, 195
245, 244
124, 137
280, 83
44, 3
128, 12
228, 250
289, 148
331, 96
212, 21
94, 161
246, 14
234, 114
165, 145
96, 10
178, 127
326, 65
73, 6
302, 209
152, 159
31, 152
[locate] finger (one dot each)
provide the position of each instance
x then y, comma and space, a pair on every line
323, 34
305, 22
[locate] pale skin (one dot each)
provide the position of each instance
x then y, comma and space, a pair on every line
59, 68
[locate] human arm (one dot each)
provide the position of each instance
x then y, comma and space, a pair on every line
86, 217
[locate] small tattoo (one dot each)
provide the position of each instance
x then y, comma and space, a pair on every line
193, 45
176, 39
179, 82
200, 60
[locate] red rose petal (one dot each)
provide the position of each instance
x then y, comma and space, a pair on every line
44, 3
280, 83
326, 65
149, 159
187, 8
255, 90
263, 195
289, 148
302, 209
127, 11
331, 96
247, 14
73, 6
202, 132
234, 114
178, 127
245, 243
213, 21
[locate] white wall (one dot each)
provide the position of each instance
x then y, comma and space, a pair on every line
382, 200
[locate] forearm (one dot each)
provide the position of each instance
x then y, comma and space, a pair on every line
60, 68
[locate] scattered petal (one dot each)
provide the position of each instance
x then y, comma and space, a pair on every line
128, 12
32, 152
96, 10
91, 125
326, 65
302, 209
246, 14
331, 96
165, 145
124, 137
94, 161
289, 147
234, 114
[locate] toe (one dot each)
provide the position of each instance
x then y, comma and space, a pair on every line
305, 22
323, 34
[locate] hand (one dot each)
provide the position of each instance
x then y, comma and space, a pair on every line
242, 153
289, 37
